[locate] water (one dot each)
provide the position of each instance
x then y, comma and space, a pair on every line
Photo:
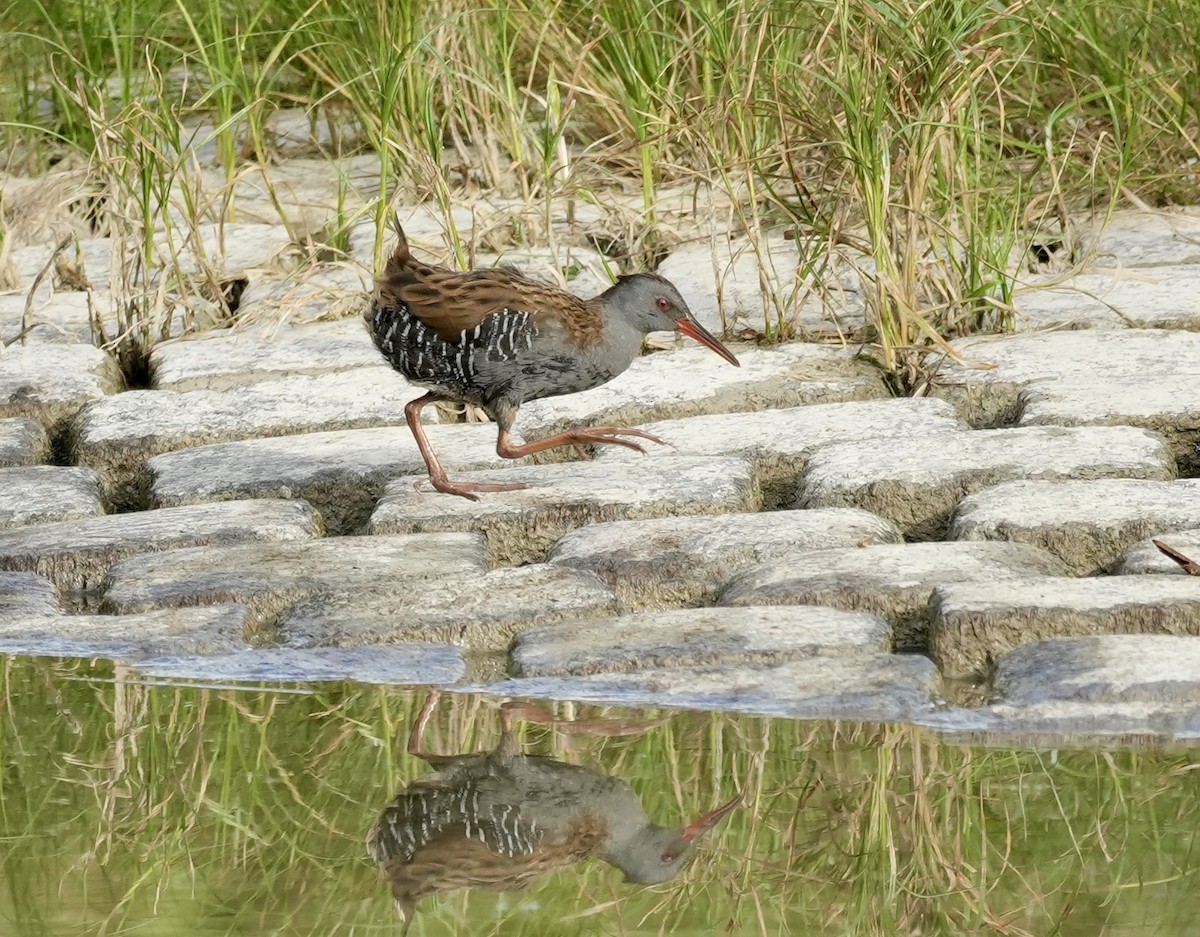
130, 808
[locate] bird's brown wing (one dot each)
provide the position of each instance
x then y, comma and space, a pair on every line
451, 303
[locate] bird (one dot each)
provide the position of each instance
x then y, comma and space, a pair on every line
494, 339
501, 819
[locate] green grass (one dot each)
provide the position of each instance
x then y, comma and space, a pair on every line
127, 808
929, 138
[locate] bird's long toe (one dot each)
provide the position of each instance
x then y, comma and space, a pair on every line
466, 489
614, 436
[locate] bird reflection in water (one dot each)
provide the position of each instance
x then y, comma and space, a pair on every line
502, 819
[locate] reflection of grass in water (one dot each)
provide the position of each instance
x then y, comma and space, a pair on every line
138, 809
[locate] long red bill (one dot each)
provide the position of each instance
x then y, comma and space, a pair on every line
693, 329
709, 820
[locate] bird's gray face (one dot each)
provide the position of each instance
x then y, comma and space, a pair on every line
656, 306
660, 857
660, 852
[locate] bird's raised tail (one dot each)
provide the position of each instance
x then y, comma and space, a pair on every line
400, 255
389, 281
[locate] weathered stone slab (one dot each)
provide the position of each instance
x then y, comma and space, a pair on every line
268, 577
1080, 363
1087, 524
55, 316
1052, 302
232, 359
309, 194
323, 292
696, 636
116, 435
1165, 403
88, 256
521, 526
1145, 557
1135, 691
226, 248
1162, 297
756, 284
916, 481
38, 494
1140, 238
23, 442
477, 612
870, 687
690, 381
26, 595
974, 624
780, 442
1150, 669
342, 473
211, 630
892, 580
76, 555
51, 382
669, 561
411, 663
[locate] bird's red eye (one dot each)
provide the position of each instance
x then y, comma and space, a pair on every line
663, 304
667, 856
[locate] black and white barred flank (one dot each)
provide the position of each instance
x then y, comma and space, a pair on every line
420, 814
424, 357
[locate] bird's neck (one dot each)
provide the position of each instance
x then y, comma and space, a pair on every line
620, 344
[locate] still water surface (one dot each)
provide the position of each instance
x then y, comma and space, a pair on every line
147, 809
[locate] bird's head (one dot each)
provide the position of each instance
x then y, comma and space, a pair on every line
652, 304
657, 854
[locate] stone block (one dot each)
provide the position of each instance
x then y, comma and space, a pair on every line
1146, 238
410, 663
55, 316
916, 481
737, 285
1087, 524
780, 442
38, 494
974, 624
1102, 669
269, 577
342, 473
211, 630
521, 526
234, 358
117, 435
892, 580
869, 687
480, 612
26, 595
1160, 297
692, 637
669, 561
1144, 557
76, 555
1163, 403
988, 383
23, 442
49, 383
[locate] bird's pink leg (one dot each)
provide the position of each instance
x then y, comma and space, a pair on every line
605, 435
437, 474
416, 735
